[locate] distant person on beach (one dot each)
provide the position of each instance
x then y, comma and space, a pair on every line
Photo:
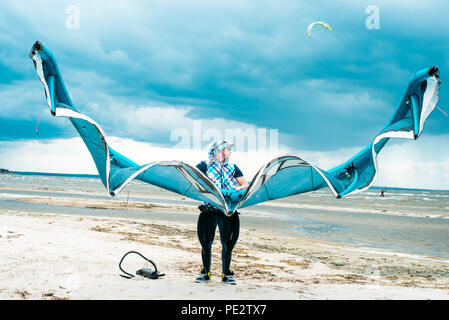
225, 175
382, 193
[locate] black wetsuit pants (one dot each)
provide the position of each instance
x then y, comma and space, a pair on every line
228, 227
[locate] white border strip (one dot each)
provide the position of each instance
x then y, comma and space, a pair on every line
64, 112
261, 172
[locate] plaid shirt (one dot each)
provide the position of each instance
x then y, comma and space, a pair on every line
221, 174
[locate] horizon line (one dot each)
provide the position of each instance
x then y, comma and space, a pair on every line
87, 175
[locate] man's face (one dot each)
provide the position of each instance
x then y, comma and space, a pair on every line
227, 153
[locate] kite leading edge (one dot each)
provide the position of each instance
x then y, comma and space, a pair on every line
321, 23
281, 177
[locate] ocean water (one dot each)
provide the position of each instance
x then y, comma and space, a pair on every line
413, 221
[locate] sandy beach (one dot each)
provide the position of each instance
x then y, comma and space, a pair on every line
58, 256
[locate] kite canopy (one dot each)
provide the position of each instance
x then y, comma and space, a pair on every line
281, 177
324, 24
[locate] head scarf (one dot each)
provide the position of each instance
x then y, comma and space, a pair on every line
216, 147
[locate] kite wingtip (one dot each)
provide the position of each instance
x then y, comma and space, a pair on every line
37, 46
434, 71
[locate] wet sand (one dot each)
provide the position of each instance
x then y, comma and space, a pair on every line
57, 256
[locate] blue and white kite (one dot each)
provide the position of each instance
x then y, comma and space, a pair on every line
281, 177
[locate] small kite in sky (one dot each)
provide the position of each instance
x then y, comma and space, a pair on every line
324, 24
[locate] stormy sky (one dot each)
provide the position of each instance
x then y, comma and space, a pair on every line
149, 70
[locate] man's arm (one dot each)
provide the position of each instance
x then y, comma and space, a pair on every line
240, 179
202, 166
242, 182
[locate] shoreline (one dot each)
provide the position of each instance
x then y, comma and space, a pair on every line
377, 209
